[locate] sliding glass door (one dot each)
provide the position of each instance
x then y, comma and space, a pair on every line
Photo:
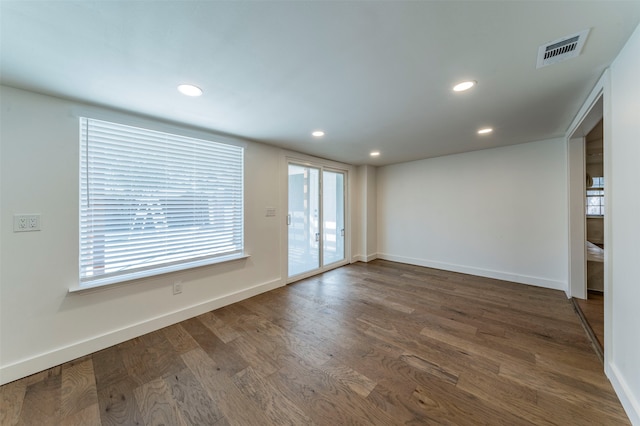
315, 219
303, 219
332, 217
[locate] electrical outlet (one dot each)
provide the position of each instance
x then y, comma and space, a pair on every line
34, 222
177, 287
26, 222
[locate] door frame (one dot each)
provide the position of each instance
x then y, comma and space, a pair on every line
597, 106
310, 161
588, 117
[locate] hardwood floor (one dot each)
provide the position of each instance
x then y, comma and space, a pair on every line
377, 343
592, 310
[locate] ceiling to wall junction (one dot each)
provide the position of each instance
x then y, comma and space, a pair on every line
371, 75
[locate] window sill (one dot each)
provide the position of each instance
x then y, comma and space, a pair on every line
128, 277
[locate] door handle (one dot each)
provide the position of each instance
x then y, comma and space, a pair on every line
342, 232
317, 236
289, 219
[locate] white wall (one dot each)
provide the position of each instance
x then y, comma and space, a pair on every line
365, 231
372, 212
623, 122
357, 215
497, 213
41, 325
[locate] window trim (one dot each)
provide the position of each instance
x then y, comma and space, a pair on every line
593, 187
133, 276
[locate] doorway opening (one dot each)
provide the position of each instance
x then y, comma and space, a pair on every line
315, 219
592, 308
587, 197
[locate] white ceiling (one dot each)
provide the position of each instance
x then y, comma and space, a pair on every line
372, 75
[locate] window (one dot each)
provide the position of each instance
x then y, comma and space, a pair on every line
595, 197
153, 202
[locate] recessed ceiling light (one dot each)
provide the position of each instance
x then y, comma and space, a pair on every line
465, 85
190, 90
374, 153
485, 131
318, 133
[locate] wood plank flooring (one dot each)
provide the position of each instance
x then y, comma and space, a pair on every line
376, 343
593, 310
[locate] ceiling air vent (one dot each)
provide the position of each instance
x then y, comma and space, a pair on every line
561, 49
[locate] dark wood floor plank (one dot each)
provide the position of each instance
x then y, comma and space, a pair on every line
357, 382
561, 332
254, 355
394, 398
192, 399
150, 357
237, 409
279, 341
285, 311
506, 395
157, 405
231, 314
118, 405
41, 405
277, 408
116, 400
78, 388
181, 341
440, 352
329, 327
565, 388
88, 416
431, 368
226, 359
370, 360
581, 414
440, 402
481, 347
11, 400
369, 343
218, 327
325, 400
587, 372
109, 368
43, 375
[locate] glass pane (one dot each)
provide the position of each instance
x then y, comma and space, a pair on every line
333, 216
303, 220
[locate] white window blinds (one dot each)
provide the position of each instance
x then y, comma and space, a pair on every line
152, 202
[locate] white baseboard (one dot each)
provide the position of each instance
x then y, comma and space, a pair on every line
26, 367
629, 401
488, 273
364, 258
